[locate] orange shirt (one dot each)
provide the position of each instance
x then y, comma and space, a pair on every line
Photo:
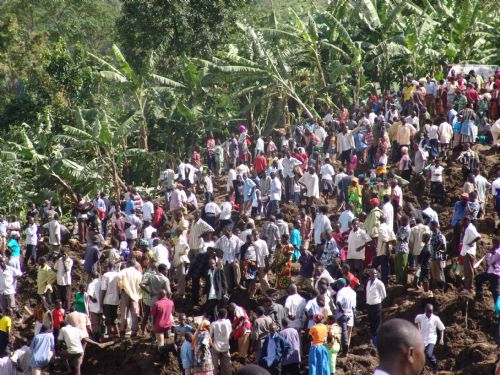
319, 333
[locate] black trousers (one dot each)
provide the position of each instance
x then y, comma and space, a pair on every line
493, 281
291, 369
374, 317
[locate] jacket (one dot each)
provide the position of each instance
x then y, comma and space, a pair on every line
282, 349
220, 283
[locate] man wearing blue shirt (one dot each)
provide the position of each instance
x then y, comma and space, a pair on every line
187, 354
456, 220
274, 349
248, 194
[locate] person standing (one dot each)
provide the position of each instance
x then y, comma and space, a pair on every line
31, 241
63, 267
215, 288
319, 361
274, 349
375, 294
275, 195
72, 337
161, 312
468, 252
230, 246
291, 361
428, 325
356, 242
386, 236
42, 349
249, 188
5, 331
295, 306
129, 280
8, 277
110, 299
95, 306
321, 225
54, 228
310, 181
220, 332
492, 272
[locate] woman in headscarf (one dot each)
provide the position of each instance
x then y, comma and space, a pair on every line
355, 195
201, 346
319, 359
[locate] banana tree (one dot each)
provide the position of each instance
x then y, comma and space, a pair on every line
141, 87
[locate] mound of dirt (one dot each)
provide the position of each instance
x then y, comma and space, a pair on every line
471, 327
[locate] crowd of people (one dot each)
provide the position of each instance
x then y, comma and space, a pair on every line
270, 244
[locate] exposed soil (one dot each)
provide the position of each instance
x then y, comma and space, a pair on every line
469, 348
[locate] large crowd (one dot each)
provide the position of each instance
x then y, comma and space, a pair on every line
269, 242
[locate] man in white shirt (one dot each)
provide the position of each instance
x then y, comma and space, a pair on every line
72, 337
110, 298
345, 145
429, 324
63, 266
275, 195
445, 135
95, 307
54, 233
310, 181
230, 246
295, 306
220, 332
346, 217
31, 241
147, 209
388, 210
400, 349
386, 236
288, 164
259, 146
129, 280
346, 305
132, 229
482, 186
231, 177
168, 178
356, 242
198, 228
428, 213
8, 276
468, 252
262, 255
375, 294
327, 172
321, 224
226, 209
160, 253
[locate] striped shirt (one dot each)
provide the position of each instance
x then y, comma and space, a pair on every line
196, 231
230, 247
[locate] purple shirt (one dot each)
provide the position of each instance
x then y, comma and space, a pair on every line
493, 261
292, 336
306, 265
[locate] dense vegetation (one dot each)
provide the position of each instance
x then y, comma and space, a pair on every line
96, 94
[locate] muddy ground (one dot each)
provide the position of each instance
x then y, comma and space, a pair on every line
471, 328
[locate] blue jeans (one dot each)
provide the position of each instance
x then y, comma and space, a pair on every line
429, 356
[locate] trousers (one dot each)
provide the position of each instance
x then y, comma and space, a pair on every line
374, 317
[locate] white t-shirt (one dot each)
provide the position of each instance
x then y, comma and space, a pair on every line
231, 176
356, 240
275, 189
220, 331
94, 291
148, 211
433, 132
261, 251
109, 283
31, 233
63, 269
327, 172
209, 187
429, 327
470, 234
445, 132
311, 181
73, 338
225, 211
161, 253
436, 173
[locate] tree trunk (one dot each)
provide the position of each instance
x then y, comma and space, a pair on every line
115, 178
143, 131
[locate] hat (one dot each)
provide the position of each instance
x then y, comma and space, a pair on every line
341, 282
373, 97
242, 128
374, 202
464, 195
355, 179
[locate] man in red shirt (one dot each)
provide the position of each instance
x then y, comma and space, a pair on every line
472, 95
162, 317
259, 163
346, 270
57, 318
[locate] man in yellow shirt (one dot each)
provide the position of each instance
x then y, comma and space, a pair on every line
407, 96
44, 279
5, 328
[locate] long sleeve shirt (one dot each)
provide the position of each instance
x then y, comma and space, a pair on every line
129, 280
230, 248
